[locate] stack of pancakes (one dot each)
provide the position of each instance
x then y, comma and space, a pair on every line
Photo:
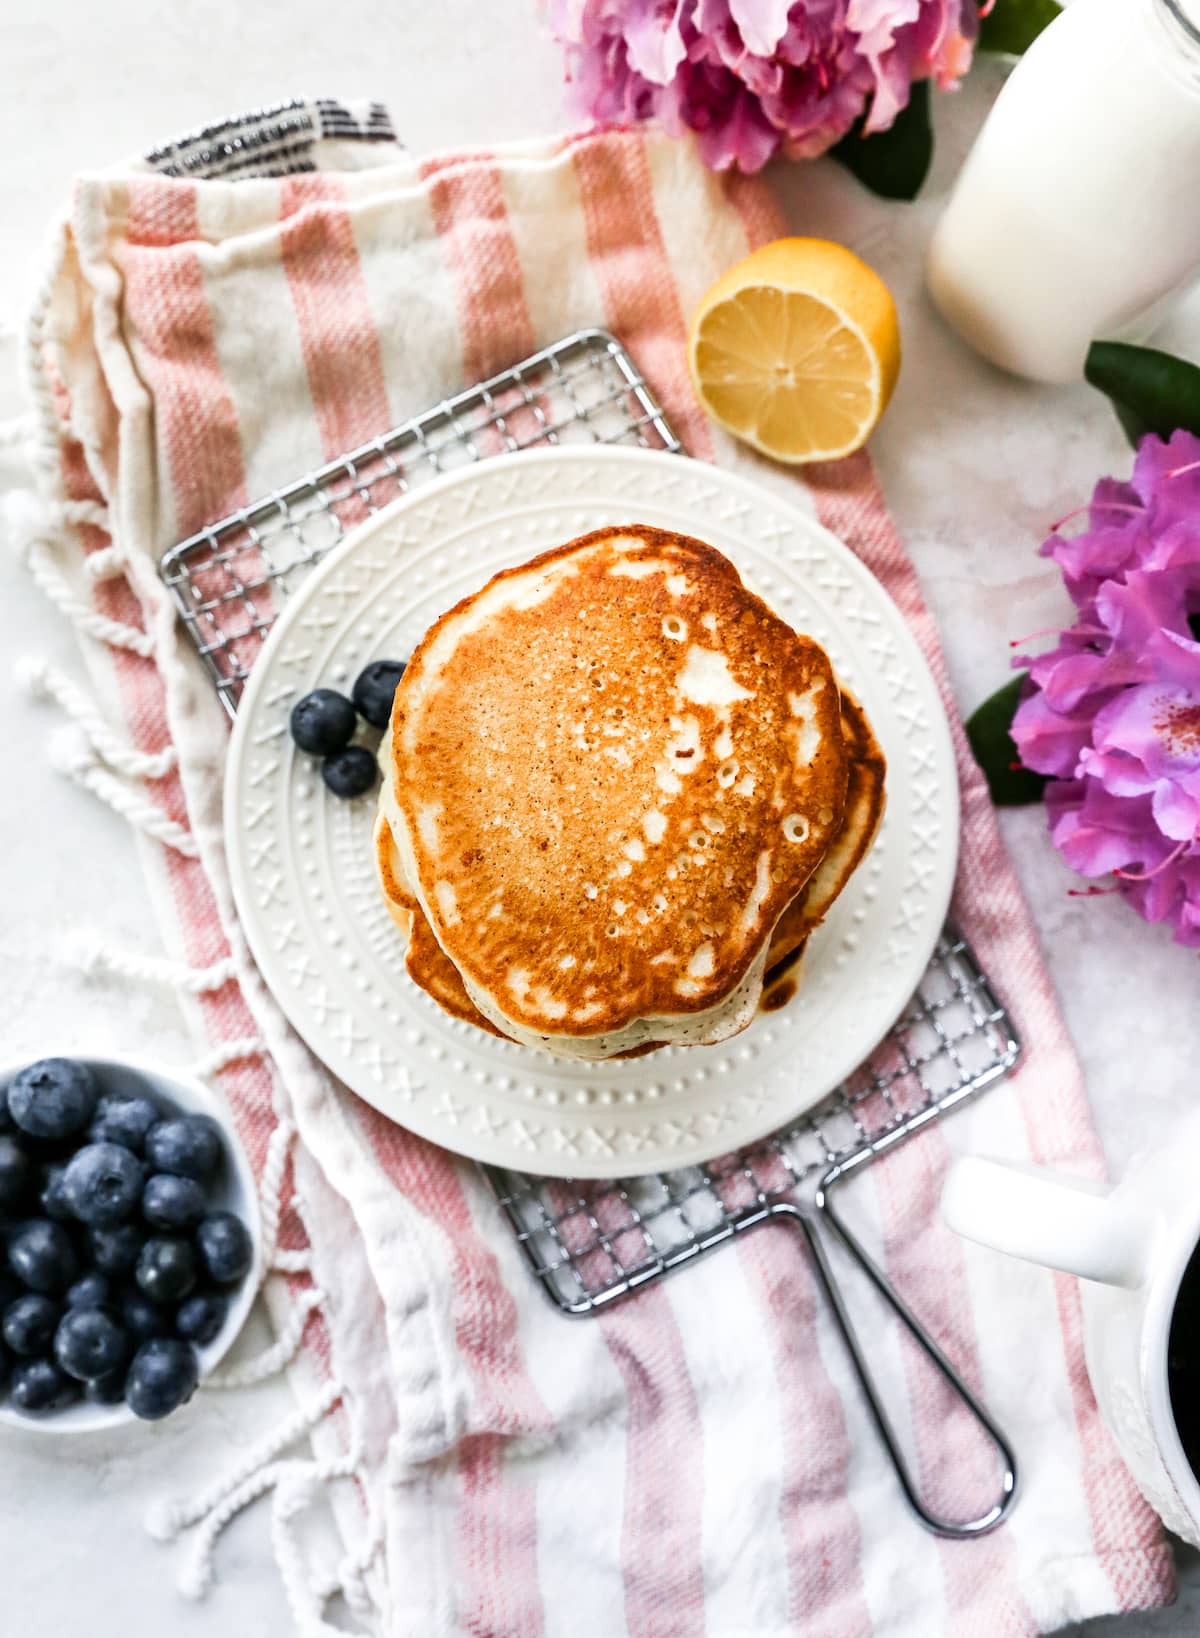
617, 790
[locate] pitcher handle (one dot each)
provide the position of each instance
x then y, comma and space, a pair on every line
1061, 1222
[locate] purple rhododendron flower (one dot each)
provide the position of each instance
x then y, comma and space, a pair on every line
1114, 711
757, 77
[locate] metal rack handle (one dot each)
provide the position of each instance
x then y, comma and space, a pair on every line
806, 1219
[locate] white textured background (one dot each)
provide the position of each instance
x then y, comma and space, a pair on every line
974, 466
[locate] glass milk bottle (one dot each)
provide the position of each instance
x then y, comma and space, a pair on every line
1077, 214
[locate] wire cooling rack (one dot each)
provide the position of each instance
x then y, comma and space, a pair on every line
584, 389
590, 1244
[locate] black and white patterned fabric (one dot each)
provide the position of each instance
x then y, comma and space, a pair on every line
279, 140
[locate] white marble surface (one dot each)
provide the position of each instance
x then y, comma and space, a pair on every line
975, 466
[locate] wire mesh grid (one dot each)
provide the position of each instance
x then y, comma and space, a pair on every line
586, 1243
590, 1243
229, 580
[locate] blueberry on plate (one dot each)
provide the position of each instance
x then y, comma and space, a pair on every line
142, 1318
89, 1343
29, 1324
42, 1256
123, 1119
323, 721
50, 1193
375, 688
170, 1202
351, 772
16, 1174
54, 1098
89, 1291
226, 1250
185, 1146
166, 1269
200, 1318
106, 1390
115, 1250
162, 1376
39, 1385
102, 1184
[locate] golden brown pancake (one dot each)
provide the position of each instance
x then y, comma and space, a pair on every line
431, 968
865, 802
427, 963
607, 774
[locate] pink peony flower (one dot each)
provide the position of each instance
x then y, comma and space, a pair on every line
756, 77
1114, 711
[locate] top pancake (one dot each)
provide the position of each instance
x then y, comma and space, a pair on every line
430, 967
607, 773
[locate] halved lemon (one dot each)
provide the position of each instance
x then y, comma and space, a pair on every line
796, 350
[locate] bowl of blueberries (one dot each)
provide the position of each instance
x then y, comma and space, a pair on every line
128, 1239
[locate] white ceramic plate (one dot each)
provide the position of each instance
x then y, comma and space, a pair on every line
302, 863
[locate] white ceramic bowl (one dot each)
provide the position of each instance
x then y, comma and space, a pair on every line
233, 1190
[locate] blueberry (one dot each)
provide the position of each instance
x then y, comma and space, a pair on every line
50, 1193
54, 1098
142, 1318
323, 721
102, 1184
29, 1324
375, 688
122, 1119
200, 1318
42, 1256
187, 1146
15, 1174
39, 1385
89, 1343
106, 1390
172, 1202
115, 1250
225, 1248
166, 1269
162, 1377
91, 1291
351, 772
7, 1123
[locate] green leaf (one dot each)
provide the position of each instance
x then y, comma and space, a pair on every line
990, 734
892, 163
1150, 391
1012, 26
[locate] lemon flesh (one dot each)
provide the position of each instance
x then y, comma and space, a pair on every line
796, 350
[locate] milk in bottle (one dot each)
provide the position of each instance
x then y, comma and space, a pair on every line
1077, 213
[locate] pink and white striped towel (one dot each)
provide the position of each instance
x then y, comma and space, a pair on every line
699, 1459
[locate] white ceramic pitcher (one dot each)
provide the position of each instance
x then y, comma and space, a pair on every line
1130, 1246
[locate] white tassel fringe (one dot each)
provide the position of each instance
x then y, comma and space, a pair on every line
43, 681
74, 755
95, 959
281, 1352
